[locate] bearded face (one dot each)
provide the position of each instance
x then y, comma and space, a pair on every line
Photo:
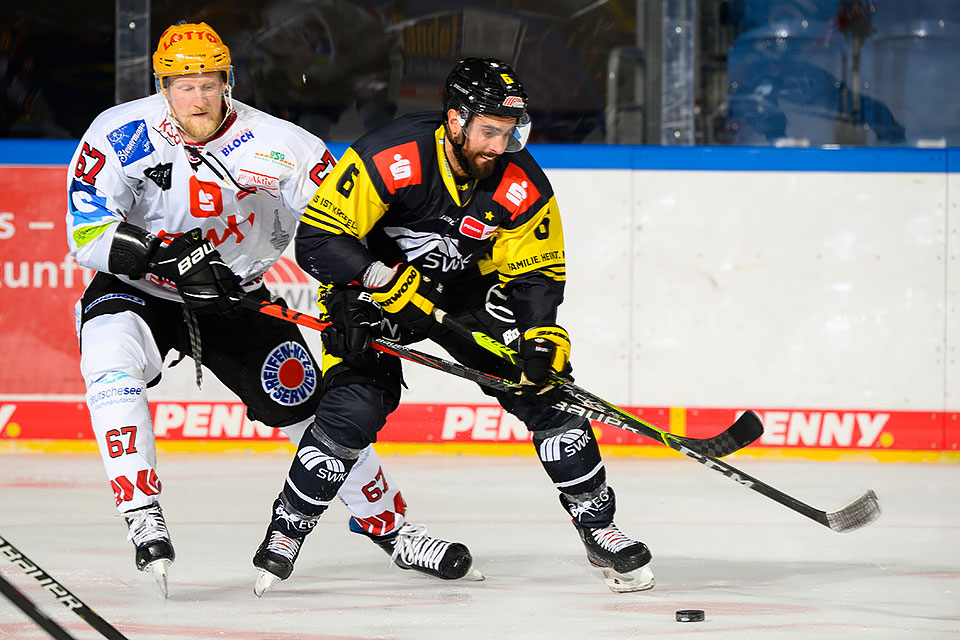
196, 103
480, 144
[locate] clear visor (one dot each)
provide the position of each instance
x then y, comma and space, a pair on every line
493, 132
202, 85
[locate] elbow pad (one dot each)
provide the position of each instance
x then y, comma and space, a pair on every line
131, 251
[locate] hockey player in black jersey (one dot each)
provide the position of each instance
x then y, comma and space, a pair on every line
448, 210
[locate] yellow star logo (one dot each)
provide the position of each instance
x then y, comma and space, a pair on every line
488, 215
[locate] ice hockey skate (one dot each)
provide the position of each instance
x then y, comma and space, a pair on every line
148, 531
625, 562
411, 548
274, 559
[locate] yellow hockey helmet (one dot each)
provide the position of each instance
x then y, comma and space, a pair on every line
190, 48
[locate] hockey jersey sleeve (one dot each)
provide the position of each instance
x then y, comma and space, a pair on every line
528, 257
314, 162
98, 196
342, 212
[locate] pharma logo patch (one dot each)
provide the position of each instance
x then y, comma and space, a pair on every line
288, 375
131, 142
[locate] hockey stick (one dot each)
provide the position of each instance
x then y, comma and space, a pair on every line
858, 513
26, 605
63, 595
576, 401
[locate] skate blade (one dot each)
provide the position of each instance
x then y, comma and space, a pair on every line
638, 580
474, 575
159, 570
265, 580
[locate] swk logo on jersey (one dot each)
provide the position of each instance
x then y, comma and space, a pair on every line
516, 192
399, 166
206, 199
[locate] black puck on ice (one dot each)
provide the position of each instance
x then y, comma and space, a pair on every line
690, 615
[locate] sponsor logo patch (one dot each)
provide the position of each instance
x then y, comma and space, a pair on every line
131, 142
206, 199
160, 175
259, 183
288, 375
399, 166
234, 143
516, 192
473, 228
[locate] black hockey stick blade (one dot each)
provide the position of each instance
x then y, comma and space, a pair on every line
576, 400
28, 607
858, 513
735, 437
63, 595
741, 433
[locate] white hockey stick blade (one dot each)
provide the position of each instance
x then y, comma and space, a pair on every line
858, 513
265, 580
639, 580
159, 570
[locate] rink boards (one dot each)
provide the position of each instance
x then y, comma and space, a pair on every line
817, 287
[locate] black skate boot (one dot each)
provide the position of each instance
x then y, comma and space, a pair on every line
148, 531
411, 548
275, 559
278, 552
624, 561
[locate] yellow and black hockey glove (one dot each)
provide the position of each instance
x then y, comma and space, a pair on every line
403, 293
544, 351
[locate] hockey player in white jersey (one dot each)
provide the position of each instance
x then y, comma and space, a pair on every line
181, 201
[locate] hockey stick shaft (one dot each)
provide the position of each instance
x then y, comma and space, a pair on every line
26, 605
576, 400
61, 593
861, 512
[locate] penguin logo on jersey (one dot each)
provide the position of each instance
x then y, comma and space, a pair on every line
288, 375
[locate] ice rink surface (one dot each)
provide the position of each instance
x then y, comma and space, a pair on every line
758, 570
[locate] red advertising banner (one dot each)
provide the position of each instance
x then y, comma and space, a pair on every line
36, 419
39, 282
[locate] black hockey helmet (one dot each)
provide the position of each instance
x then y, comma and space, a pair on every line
488, 86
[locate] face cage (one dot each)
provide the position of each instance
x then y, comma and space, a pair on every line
516, 139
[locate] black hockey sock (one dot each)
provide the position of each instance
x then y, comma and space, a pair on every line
317, 473
571, 457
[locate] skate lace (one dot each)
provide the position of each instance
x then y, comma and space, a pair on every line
415, 547
611, 538
283, 545
147, 525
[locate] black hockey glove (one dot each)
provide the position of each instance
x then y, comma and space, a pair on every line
405, 294
545, 351
203, 280
356, 320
